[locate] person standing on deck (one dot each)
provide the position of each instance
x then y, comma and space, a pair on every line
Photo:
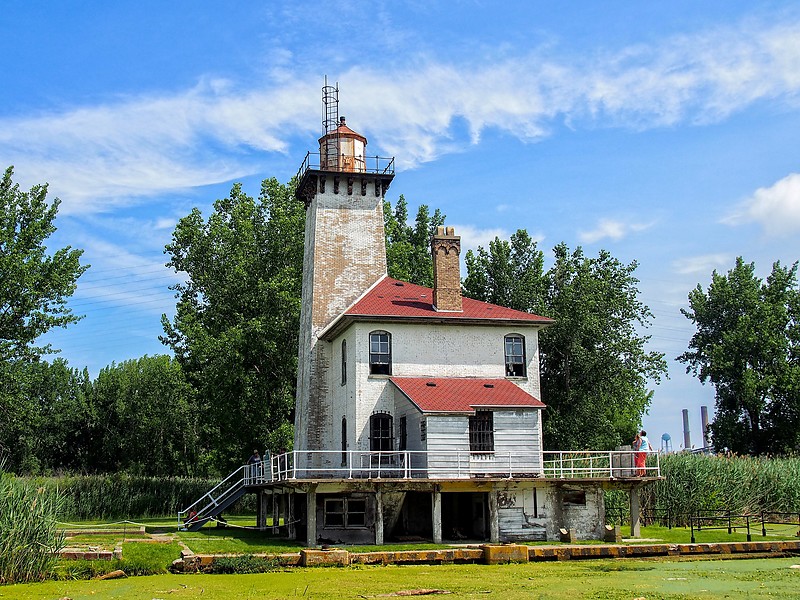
254, 465
642, 445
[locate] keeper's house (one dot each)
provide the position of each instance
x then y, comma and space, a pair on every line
419, 412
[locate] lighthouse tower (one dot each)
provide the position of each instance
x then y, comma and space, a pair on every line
344, 255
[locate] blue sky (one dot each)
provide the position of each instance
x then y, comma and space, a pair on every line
665, 132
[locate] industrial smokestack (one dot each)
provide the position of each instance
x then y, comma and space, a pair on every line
704, 421
687, 440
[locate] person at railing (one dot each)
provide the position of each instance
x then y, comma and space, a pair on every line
642, 445
254, 465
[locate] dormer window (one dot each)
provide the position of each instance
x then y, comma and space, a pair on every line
515, 355
380, 353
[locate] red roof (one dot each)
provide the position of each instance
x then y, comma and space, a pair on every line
393, 298
344, 131
462, 394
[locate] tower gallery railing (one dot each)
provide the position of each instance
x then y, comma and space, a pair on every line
412, 464
372, 165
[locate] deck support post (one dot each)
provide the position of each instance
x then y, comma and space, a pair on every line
276, 515
311, 516
378, 518
635, 509
494, 518
263, 509
437, 515
291, 530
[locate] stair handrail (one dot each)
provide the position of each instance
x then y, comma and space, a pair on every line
209, 494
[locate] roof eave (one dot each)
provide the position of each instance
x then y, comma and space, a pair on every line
344, 320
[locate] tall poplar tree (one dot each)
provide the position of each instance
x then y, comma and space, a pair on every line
747, 345
34, 284
237, 319
408, 247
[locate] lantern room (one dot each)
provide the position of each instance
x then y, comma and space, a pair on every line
342, 149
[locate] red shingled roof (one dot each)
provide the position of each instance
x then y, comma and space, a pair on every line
461, 394
393, 298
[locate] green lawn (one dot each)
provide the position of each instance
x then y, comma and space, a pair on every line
141, 558
570, 580
238, 539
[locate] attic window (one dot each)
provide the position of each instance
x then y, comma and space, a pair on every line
488, 385
399, 283
431, 384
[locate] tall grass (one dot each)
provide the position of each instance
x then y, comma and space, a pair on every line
122, 496
742, 484
28, 534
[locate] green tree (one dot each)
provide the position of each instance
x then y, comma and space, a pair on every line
408, 248
235, 332
49, 423
747, 344
148, 421
595, 365
34, 285
34, 288
595, 368
510, 274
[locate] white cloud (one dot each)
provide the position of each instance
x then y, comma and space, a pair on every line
99, 156
472, 237
775, 208
704, 264
611, 229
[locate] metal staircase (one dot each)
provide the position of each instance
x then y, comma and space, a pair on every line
223, 495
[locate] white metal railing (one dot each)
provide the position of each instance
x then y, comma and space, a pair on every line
583, 464
416, 464
455, 464
217, 495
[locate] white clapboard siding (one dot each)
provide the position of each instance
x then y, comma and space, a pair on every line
448, 446
415, 443
516, 434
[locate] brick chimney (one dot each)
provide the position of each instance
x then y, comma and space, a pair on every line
445, 249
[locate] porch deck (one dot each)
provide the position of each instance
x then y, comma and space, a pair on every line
419, 465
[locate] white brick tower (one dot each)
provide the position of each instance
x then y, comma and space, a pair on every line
344, 254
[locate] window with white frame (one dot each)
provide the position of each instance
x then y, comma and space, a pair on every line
515, 355
380, 353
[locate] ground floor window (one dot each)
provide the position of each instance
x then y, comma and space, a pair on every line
481, 432
381, 438
345, 512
